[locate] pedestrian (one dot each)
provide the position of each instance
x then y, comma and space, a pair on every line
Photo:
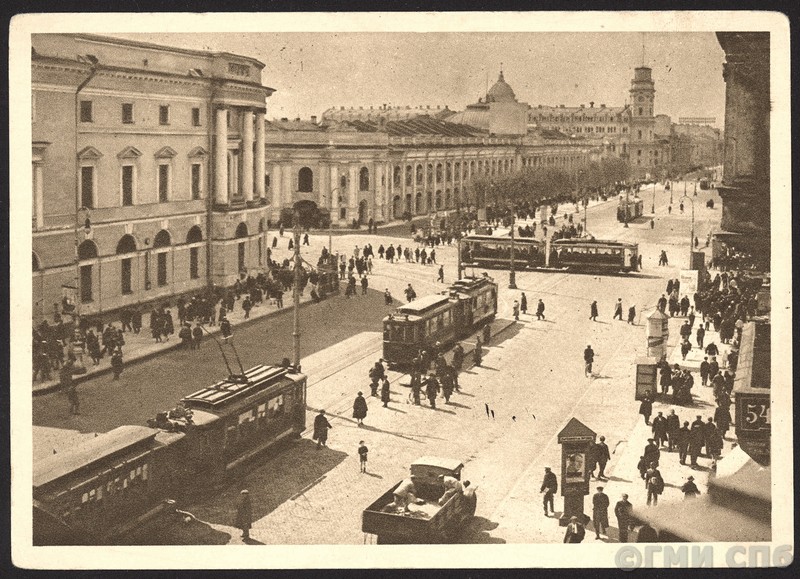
686, 347
362, 455
673, 426
360, 409
197, 336
701, 334
575, 531
387, 297
321, 426
588, 360
660, 429
116, 363
305, 239
696, 439
225, 328
632, 315
523, 303
652, 453
682, 441
655, 485
646, 406
68, 385
640, 257
364, 285
431, 389
540, 310
477, 354
515, 310
600, 504
689, 489
593, 311
244, 514
487, 334
385, 392
247, 305
549, 488
602, 456
623, 511
652, 226
441, 274
185, 334
618, 310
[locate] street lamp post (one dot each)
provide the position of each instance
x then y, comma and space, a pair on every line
691, 238
627, 205
653, 208
296, 293
512, 277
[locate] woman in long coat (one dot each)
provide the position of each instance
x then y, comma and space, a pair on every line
646, 407
244, 514
360, 408
321, 426
385, 392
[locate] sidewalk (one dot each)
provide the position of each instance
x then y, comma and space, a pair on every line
142, 346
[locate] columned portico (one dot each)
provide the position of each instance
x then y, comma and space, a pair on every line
246, 186
260, 156
221, 157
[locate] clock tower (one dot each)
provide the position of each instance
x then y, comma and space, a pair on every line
643, 151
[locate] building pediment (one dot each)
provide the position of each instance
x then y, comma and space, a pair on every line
129, 153
166, 153
89, 153
198, 152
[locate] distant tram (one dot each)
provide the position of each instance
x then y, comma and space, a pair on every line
487, 251
102, 489
594, 255
441, 318
630, 205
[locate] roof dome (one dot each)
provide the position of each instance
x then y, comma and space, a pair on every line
501, 92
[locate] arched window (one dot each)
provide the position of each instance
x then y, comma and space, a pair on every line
127, 244
163, 239
439, 173
397, 175
419, 174
305, 180
87, 250
194, 235
409, 175
430, 173
241, 230
363, 179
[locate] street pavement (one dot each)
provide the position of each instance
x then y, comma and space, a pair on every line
532, 380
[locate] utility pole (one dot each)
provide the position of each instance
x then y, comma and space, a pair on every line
296, 312
512, 276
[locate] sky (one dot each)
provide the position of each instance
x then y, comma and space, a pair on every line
312, 72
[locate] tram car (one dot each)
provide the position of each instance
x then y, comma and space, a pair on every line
487, 251
100, 490
594, 255
440, 319
630, 205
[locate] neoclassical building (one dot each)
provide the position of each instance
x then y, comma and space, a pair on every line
148, 172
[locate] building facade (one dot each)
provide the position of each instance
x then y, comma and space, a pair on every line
148, 172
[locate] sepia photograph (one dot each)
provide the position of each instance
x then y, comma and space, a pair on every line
408, 290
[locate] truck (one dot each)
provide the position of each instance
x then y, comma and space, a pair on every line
426, 522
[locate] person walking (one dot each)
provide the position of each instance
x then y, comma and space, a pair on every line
540, 310
689, 489
646, 406
385, 392
515, 310
117, 364
549, 488
632, 315
600, 504
602, 456
360, 409
523, 303
225, 328
440, 276
575, 531
364, 285
593, 311
431, 389
185, 334
654, 484
68, 385
673, 426
244, 514
682, 441
197, 336
321, 426
477, 354
588, 360
623, 511
701, 335
696, 439
618, 310
362, 456
660, 429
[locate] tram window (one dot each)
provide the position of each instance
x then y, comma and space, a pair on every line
85, 497
448, 318
276, 406
261, 412
125, 483
100, 493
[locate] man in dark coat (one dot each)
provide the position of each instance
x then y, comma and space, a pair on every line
622, 510
673, 426
593, 311
646, 406
660, 429
575, 531
682, 440
385, 392
540, 310
197, 336
632, 315
701, 334
618, 310
588, 360
549, 488
601, 456
704, 370
360, 409
65, 376
651, 453
117, 364
696, 439
321, 426
431, 389
689, 489
477, 354
244, 514
600, 504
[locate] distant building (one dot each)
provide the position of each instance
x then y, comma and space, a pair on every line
148, 172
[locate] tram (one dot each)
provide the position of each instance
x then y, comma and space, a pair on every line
96, 492
437, 321
595, 255
629, 207
487, 251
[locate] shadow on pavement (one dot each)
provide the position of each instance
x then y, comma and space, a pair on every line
173, 529
283, 477
372, 474
457, 405
478, 532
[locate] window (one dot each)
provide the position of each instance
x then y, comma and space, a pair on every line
127, 185
195, 117
640, 110
86, 283
127, 113
640, 134
305, 180
163, 182
363, 179
161, 265
241, 255
86, 112
196, 173
163, 115
194, 262
87, 186
125, 269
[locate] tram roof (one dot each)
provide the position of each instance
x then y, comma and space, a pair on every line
83, 455
593, 242
503, 239
423, 304
228, 391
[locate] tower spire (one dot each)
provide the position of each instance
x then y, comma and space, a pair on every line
642, 48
